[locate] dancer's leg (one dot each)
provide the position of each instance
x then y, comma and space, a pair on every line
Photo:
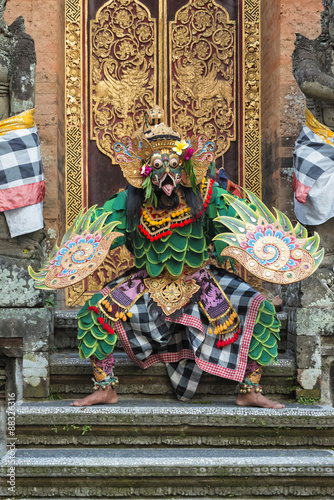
105, 383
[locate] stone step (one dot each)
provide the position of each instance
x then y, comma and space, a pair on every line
162, 423
72, 376
152, 472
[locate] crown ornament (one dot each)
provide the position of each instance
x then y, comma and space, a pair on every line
132, 153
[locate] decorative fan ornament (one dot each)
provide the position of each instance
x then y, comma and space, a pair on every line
130, 154
203, 155
82, 250
269, 247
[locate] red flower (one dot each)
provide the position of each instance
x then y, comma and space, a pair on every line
188, 154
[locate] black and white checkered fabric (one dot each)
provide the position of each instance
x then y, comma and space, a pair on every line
20, 158
312, 157
184, 345
313, 162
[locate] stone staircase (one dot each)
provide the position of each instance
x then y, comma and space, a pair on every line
71, 377
151, 446
163, 449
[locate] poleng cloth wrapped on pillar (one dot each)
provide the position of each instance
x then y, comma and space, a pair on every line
22, 185
313, 178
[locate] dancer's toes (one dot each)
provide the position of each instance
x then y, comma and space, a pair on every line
257, 399
101, 396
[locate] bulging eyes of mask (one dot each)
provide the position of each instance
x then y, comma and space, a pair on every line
164, 160
166, 173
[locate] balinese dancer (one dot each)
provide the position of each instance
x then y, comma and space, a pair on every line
176, 306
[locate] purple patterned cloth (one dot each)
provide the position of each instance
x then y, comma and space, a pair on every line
102, 365
212, 298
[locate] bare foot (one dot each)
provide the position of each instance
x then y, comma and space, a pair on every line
257, 399
100, 397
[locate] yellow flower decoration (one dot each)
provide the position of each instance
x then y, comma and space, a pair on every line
179, 146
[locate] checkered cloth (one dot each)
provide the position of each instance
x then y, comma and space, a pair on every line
21, 170
184, 344
313, 182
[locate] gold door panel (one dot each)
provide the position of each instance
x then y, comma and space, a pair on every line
202, 41
123, 68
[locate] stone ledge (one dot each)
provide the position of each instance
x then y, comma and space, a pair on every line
236, 487
35, 325
174, 462
17, 287
171, 412
69, 362
66, 319
71, 376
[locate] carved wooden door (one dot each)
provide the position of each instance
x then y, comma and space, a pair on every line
197, 59
180, 54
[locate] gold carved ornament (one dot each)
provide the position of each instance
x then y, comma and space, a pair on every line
203, 65
122, 71
252, 176
74, 125
171, 293
250, 53
117, 262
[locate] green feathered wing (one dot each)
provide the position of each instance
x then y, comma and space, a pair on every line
96, 226
93, 339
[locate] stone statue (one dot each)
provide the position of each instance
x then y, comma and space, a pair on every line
21, 210
313, 68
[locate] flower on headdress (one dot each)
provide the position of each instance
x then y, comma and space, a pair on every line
179, 146
188, 154
145, 170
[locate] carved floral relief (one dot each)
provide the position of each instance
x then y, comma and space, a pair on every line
203, 65
122, 72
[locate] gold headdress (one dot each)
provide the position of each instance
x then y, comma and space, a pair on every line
131, 154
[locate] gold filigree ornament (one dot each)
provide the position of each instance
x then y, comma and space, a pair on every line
130, 154
123, 71
82, 250
202, 157
203, 64
269, 247
171, 293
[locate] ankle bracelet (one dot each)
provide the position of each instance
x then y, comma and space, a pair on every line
247, 387
106, 382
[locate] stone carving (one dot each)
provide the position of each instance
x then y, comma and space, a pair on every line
313, 69
314, 73
17, 95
